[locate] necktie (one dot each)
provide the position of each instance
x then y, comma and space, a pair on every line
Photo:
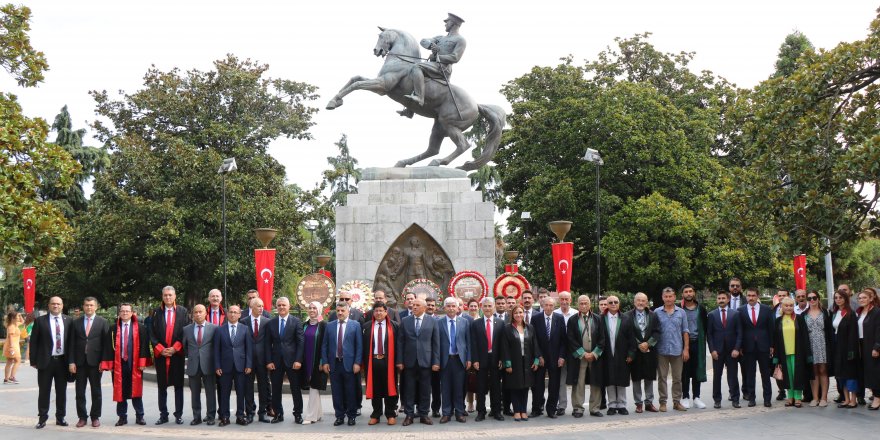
339, 339
57, 336
281, 329
452, 348
548, 327
256, 327
380, 342
641, 319
233, 326
214, 317
88, 325
724, 318
124, 342
489, 334
418, 326
754, 317
167, 317
199, 337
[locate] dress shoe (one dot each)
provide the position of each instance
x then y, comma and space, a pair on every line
210, 421
639, 408
60, 422
577, 414
339, 422
622, 411
121, 422
351, 421
407, 421
264, 419
751, 403
96, 423
178, 420
536, 414
596, 414
41, 423
560, 412
241, 421
359, 412
651, 408
140, 421
426, 421
480, 417
508, 412
444, 420
223, 422
612, 411
463, 419
162, 420
298, 420
498, 417
662, 407
270, 412
392, 421
435, 414
196, 421
678, 406
373, 421
250, 419
717, 405
861, 401
768, 404
735, 404
81, 423
551, 415
780, 396
839, 399
278, 419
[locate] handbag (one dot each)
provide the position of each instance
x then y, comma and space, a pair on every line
777, 373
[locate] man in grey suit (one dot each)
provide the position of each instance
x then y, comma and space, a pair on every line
455, 360
258, 323
233, 361
420, 355
198, 344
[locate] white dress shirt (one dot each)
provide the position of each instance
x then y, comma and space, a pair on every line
60, 323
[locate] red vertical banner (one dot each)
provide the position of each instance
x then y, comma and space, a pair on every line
800, 271
265, 259
29, 279
563, 253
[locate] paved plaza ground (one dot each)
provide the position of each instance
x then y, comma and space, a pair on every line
18, 411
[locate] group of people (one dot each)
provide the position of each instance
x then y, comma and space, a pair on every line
429, 363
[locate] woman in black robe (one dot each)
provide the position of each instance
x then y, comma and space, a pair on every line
521, 356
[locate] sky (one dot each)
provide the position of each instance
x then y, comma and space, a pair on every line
109, 45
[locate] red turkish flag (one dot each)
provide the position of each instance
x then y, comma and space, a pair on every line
29, 278
265, 259
800, 271
563, 253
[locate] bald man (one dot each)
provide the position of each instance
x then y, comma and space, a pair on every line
49, 348
198, 344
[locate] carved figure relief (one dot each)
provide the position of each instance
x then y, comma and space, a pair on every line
414, 254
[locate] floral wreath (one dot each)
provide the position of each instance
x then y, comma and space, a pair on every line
361, 294
506, 280
420, 282
469, 274
330, 289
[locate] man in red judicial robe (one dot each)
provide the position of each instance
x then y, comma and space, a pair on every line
380, 334
167, 338
131, 354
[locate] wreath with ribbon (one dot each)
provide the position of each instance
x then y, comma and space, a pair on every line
420, 285
327, 282
469, 275
361, 294
510, 285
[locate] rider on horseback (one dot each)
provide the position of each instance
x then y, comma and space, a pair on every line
445, 51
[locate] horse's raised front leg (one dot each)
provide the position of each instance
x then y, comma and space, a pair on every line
461, 145
437, 135
375, 85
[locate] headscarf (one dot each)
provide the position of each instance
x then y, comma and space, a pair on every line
320, 308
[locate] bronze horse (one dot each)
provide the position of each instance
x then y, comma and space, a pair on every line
451, 116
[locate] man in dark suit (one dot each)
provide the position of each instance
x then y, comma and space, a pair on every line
131, 354
381, 352
586, 342
284, 345
379, 297
251, 294
342, 355
233, 361
90, 355
258, 324
420, 355
550, 333
724, 335
166, 336
48, 352
486, 334
198, 344
757, 324
455, 360
353, 313
407, 305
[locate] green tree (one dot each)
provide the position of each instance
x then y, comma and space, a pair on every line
795, 45
340, 180
155, 216
485, 178
32, 231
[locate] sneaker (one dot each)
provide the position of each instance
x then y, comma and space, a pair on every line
686, 402
699, 403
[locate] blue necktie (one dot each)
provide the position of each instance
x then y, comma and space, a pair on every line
452, 348
281, 330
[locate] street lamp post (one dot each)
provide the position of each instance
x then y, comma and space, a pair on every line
526, 217
593, 156
226, 167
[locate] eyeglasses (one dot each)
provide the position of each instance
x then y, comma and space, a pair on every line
345, 299
813, 298
613, 302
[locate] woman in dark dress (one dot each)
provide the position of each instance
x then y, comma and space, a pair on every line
312, 378
846, 348
792, 352
869, 332
521, 356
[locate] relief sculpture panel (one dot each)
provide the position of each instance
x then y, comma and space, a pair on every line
414, 254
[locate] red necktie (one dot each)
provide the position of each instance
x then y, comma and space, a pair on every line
124, 342
754, 318
724, 318
379, 341
199, 338
256, 327
169, 326
489, 334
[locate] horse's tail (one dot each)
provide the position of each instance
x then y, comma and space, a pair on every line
496, 118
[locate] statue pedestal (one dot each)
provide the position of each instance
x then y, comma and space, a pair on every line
375, 230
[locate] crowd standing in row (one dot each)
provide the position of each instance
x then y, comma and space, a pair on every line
432, 363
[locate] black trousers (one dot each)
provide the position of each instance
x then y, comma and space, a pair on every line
489, 381
436, 392
383, 404
718, 366
553, 373
163, 400
762, 359
227, 381
277, 381
55, 373
260, 375
92, 375
519, 399
689, 379
418, 383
